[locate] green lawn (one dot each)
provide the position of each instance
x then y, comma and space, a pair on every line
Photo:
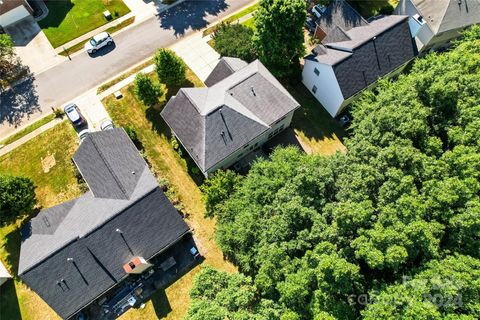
370, 8
233, 18
28, 129
316, 130
52, 149
69, 19
250, 23
154, 136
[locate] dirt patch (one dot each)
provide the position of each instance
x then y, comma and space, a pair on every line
48, 163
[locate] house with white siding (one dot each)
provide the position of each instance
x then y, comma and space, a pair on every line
353, 54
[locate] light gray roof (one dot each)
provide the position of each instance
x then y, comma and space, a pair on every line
214, 122
84, 228
225, 67
445, 15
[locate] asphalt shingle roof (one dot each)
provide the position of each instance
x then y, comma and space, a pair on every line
225, 67
445, 15
84, 228
214, 122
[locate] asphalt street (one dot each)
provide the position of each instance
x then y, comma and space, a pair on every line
70, 79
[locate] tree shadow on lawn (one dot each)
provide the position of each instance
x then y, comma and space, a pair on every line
57, 12
190, 15
160, 304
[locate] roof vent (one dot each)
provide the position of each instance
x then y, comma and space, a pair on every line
253, 91
133, 172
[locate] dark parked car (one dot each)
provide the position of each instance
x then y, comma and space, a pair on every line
310, 25
74, 115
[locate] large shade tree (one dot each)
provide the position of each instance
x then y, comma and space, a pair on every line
279, 35
316, 234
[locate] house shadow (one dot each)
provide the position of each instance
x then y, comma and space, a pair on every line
311, 118
190, 15
19, 101
9, 307
58, 11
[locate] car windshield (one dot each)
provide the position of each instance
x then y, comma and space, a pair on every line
93, 42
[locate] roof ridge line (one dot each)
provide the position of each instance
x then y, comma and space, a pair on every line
112, 172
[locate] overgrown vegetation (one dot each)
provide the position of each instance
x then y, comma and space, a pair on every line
17, 197
11, 68
279, 37
170, 68
146, 90
388, 230
234, 40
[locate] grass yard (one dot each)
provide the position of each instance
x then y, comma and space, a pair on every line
370, 8
233, 18
154, 136
316, 130
34, 126
46, 159
250, 23
69, 19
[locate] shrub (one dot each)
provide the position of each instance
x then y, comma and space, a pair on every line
146, 90
169, 67
132, 133
17, 196
234, 40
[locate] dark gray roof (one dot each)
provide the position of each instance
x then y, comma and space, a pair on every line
84, 228
242, 106
338, 18
110, 164
225, 67
148, 227
372, 59
445, 15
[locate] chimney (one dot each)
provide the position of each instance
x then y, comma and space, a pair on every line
136, 266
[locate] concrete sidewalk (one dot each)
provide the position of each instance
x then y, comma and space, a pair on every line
197, 54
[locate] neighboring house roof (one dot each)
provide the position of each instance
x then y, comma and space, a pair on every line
214, 122
445, 15
85, 228
370, 52
338, 18
225, 67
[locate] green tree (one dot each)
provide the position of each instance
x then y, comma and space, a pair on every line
146, 90
279, 35
217, 188
9, 63
170, 68
17, 197
234, 40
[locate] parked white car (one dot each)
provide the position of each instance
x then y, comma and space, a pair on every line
97, 42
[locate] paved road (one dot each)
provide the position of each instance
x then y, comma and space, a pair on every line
70, 79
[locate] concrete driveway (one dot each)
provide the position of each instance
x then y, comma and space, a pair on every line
32, 46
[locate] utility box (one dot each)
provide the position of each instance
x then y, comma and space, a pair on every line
107, 15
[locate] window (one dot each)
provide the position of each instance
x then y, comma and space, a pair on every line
314, 89
316, 71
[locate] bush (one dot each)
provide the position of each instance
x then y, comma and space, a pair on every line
132, 133
234, 40
146, 90
169, 67
17, 197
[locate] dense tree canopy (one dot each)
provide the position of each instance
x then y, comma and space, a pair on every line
146, 90
17, 197
279, 37
234, 40
10, 66
396, 217
169, 67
